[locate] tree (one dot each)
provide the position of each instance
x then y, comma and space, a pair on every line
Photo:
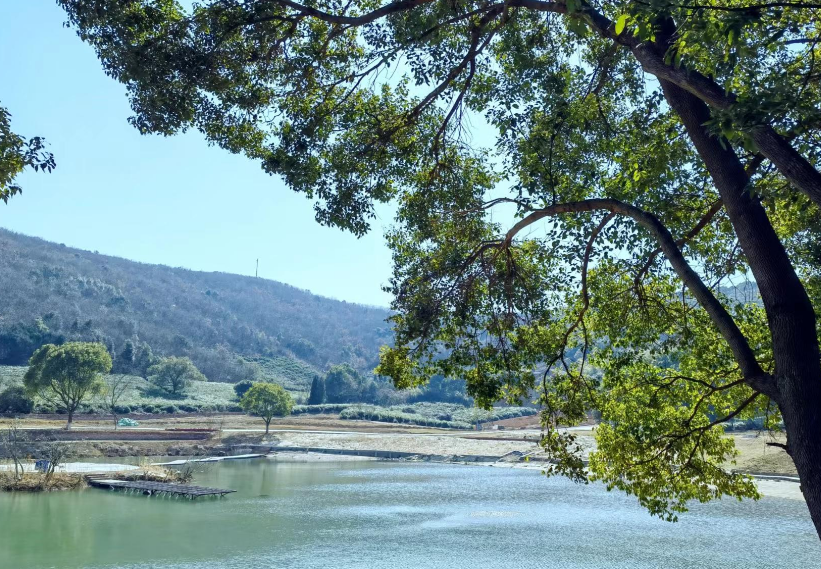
124, 363
17, 154
18, 342
267, 400
637, 158
342, 384
317, 395
13, 441
174, 374
143, 360
117, 386
68, 374
242, 388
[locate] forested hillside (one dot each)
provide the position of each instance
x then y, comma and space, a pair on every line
53, 293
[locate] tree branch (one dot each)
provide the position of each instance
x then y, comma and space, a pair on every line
702, 223
753, 374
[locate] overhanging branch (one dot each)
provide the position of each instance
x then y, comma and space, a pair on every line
752, 372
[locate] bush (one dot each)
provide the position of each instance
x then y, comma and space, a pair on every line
148, 408
242, 387
319, 409
122, 409
186, 408
170, 408
15, 400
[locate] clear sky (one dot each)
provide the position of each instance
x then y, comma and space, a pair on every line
173, 201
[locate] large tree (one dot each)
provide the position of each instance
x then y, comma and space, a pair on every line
68, 374
573, 178
174, 374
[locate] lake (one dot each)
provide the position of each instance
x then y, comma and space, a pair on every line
393, 515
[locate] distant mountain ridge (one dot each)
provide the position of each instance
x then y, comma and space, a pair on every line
49, 288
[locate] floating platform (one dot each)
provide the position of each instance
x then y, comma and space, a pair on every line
158, 488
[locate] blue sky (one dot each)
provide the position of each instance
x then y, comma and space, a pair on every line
173, 201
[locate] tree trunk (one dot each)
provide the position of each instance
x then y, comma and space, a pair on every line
70, 418
801, 408
796, 386
267, 424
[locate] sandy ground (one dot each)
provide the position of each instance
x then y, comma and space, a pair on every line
440, 444
780, 489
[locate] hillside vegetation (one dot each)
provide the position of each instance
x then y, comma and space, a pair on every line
142, 397
54, 293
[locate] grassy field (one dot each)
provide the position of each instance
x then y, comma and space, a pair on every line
204, 397
143, 397
293, 375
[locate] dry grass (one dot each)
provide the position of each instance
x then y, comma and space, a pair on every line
757, 457
150, 473
35, 482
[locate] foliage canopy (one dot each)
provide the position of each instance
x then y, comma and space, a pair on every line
629, 160
174, 374
67, 374
267, 400
16, 154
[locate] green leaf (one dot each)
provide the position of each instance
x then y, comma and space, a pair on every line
621, 23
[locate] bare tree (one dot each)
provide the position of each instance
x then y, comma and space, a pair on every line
55, 453
117, 386
13, 442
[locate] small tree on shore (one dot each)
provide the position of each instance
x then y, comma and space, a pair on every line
267, 400
174, 374
67, 374
12, 442
317, 396
56, 454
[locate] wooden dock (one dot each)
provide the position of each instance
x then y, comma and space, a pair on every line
157, 488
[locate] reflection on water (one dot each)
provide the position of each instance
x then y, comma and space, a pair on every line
393, 515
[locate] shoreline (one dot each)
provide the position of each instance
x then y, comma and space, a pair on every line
336, 439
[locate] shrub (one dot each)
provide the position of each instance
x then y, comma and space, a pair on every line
242, 387
170, 408
319, 409
122, 409
15, 400
149, 408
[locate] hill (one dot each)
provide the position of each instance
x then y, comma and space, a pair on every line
52, 292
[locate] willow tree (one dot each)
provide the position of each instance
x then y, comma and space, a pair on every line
577, 183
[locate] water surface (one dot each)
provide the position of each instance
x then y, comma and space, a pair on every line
393, 515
